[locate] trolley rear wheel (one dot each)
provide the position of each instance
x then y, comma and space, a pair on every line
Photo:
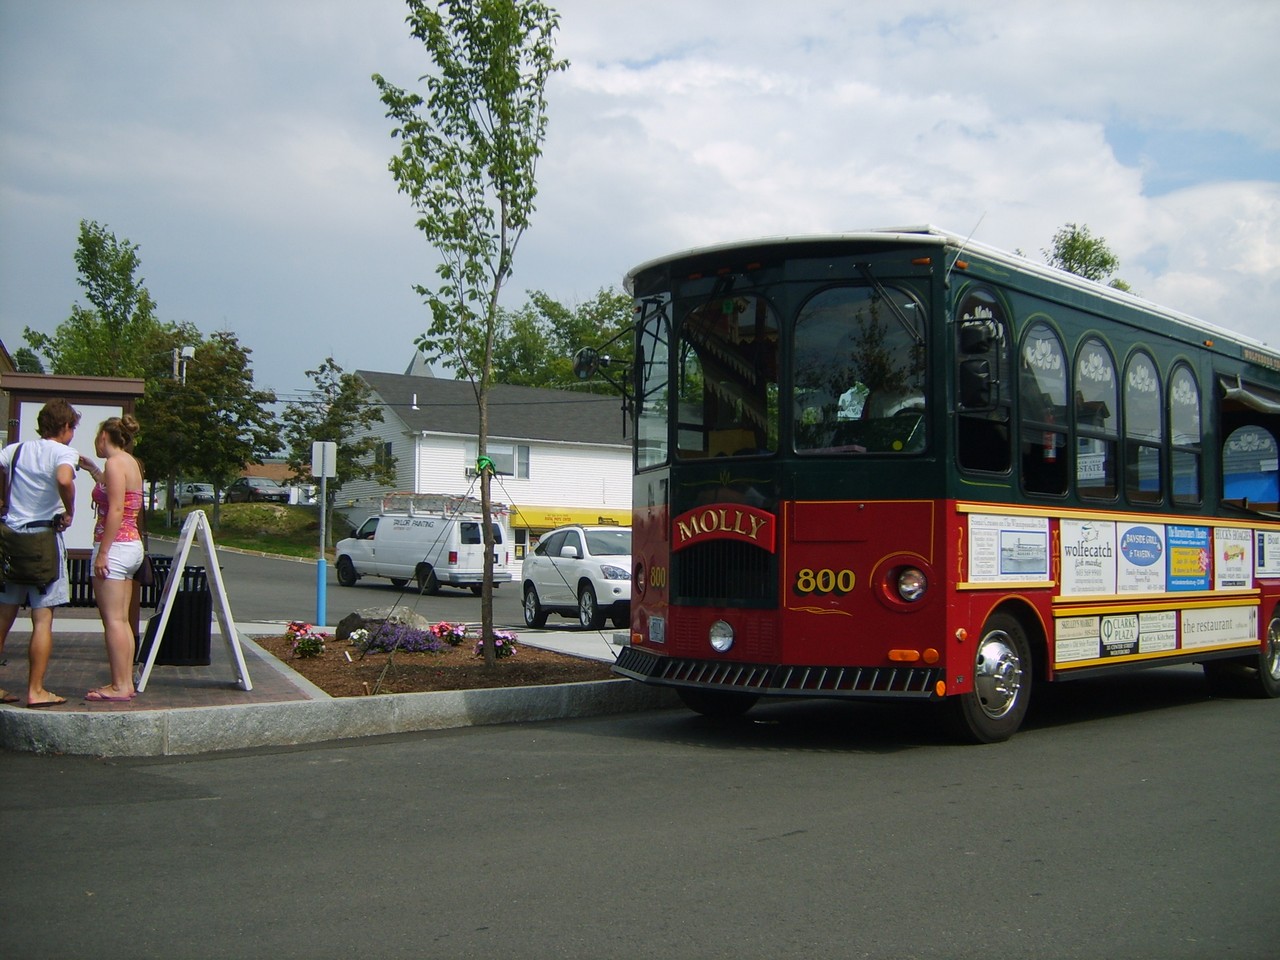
1268, 679
1256, 676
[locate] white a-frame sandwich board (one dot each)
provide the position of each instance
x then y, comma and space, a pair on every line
197, 522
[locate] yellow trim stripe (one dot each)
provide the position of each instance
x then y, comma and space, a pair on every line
1072, 513
1008, 585
1162, 655
1163, 601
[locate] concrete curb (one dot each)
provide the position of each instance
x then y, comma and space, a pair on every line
194, 730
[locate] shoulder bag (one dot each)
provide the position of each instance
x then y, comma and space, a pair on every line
30, 555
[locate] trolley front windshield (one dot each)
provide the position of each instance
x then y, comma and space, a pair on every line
833, 369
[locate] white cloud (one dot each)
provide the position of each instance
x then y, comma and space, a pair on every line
243, 146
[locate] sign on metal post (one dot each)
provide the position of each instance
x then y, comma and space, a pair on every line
324, 459
324, 464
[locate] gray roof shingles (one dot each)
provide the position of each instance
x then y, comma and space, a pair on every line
515, 413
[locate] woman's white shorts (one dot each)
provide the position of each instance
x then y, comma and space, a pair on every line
123, 560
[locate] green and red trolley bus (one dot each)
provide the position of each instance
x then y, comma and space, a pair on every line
895, 464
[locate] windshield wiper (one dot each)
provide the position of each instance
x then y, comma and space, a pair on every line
883, 294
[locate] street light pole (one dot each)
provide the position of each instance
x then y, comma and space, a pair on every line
180, 358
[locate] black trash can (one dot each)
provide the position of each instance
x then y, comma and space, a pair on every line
188, 636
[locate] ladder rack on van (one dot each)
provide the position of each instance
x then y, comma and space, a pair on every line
438, 504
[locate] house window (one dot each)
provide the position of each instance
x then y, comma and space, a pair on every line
510, 460
382, 454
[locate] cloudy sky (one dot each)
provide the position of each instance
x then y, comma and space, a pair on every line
242, 146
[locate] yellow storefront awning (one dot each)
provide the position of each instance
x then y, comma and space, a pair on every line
535, 517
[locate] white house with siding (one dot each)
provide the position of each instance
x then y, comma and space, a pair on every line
561, 456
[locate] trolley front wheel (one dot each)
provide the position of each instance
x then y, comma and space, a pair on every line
994, 709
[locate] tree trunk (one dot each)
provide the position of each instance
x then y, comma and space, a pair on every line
486, 511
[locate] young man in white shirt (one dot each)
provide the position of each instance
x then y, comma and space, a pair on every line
40, 489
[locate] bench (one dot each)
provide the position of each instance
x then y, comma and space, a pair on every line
80, 577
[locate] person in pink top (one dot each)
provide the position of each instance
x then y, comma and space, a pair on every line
117, 548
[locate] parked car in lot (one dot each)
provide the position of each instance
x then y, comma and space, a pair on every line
432, 549
187, 494
582, 572
255, 489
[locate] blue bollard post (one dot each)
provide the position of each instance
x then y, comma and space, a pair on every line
322, 584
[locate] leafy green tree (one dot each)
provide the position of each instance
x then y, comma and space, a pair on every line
118, 334
341, 408
522, 349
536, 343
26, 361
228, 422
1076, 250
168, 436
468, 162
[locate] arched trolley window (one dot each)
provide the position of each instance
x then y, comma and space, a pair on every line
1143, 431
982, 378
1184, 436
1097, 410
1043, 412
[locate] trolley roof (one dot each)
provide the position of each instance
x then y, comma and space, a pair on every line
928, 234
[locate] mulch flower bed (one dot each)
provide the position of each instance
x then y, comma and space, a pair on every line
344, 669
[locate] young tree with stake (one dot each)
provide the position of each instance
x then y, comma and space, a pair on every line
468, 162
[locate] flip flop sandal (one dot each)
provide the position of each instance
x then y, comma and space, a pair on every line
97, 696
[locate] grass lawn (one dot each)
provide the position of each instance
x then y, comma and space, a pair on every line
292, 531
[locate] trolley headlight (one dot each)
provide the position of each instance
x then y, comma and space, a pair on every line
912, 584
721, 636
638, 580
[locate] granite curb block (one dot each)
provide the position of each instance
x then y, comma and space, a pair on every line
194, 730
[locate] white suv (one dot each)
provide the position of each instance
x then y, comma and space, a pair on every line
582, 572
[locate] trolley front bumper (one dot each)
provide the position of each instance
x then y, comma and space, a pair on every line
777, 680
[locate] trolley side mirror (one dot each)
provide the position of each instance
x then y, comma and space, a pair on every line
586, 363
975, 385
975, 338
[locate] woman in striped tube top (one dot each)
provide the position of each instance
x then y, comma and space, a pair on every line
117, 548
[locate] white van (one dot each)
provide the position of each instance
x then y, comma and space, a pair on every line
433, 549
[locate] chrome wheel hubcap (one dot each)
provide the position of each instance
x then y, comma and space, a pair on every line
997, 674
